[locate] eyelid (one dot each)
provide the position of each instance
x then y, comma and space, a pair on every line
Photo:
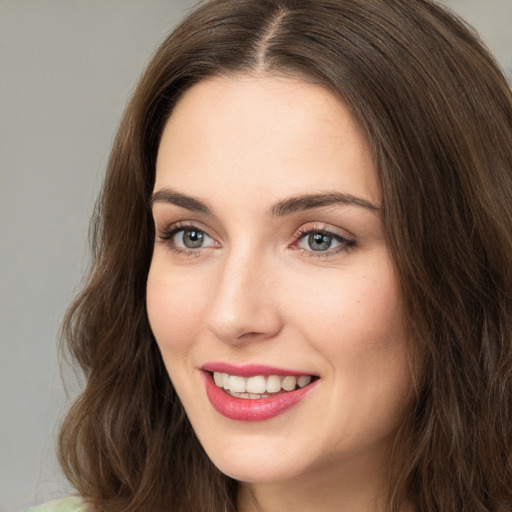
309, 227
167, 228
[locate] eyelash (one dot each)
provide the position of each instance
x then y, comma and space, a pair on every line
168, 233
346, 244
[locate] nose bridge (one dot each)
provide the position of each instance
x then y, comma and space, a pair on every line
242, 306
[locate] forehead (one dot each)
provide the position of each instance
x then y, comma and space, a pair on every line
264, 132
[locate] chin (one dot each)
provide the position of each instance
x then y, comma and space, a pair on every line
261, 463
255, 472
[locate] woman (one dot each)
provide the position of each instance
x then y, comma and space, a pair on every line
301, 295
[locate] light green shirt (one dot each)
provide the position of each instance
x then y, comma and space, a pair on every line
65, 505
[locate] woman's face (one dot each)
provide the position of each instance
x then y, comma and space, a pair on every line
271, 277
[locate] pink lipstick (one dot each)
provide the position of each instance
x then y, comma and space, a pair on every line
249, 370
271, 403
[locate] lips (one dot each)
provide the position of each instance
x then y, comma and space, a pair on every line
255, 393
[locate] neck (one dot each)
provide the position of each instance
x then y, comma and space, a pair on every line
285, 498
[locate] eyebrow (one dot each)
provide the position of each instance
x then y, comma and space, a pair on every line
166, 195
282, 208
310, 201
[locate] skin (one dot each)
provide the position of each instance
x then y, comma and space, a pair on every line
256, 292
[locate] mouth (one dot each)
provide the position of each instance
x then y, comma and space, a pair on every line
259, 394
259, 386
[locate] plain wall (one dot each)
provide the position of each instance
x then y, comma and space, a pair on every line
66, 70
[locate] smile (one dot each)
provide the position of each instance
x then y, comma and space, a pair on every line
259, 394
259, 386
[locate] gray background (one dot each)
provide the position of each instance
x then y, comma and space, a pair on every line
66, 70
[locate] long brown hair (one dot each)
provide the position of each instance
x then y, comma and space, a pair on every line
437, 114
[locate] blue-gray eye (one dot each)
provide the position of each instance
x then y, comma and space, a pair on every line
320, 241
192, 238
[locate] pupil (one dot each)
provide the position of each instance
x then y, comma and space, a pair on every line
192, 238
319, 241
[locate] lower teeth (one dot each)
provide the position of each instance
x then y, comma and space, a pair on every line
250, 396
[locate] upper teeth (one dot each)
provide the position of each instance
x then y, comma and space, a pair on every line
259, 384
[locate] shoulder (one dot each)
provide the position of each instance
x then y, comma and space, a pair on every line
65, 505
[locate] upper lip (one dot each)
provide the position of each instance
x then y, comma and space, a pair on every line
251, 370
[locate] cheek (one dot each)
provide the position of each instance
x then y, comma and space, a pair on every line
357, 328
360, 311
174, 307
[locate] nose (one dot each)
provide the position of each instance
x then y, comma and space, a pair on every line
244, 305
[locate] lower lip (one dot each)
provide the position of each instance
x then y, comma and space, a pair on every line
247, 409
